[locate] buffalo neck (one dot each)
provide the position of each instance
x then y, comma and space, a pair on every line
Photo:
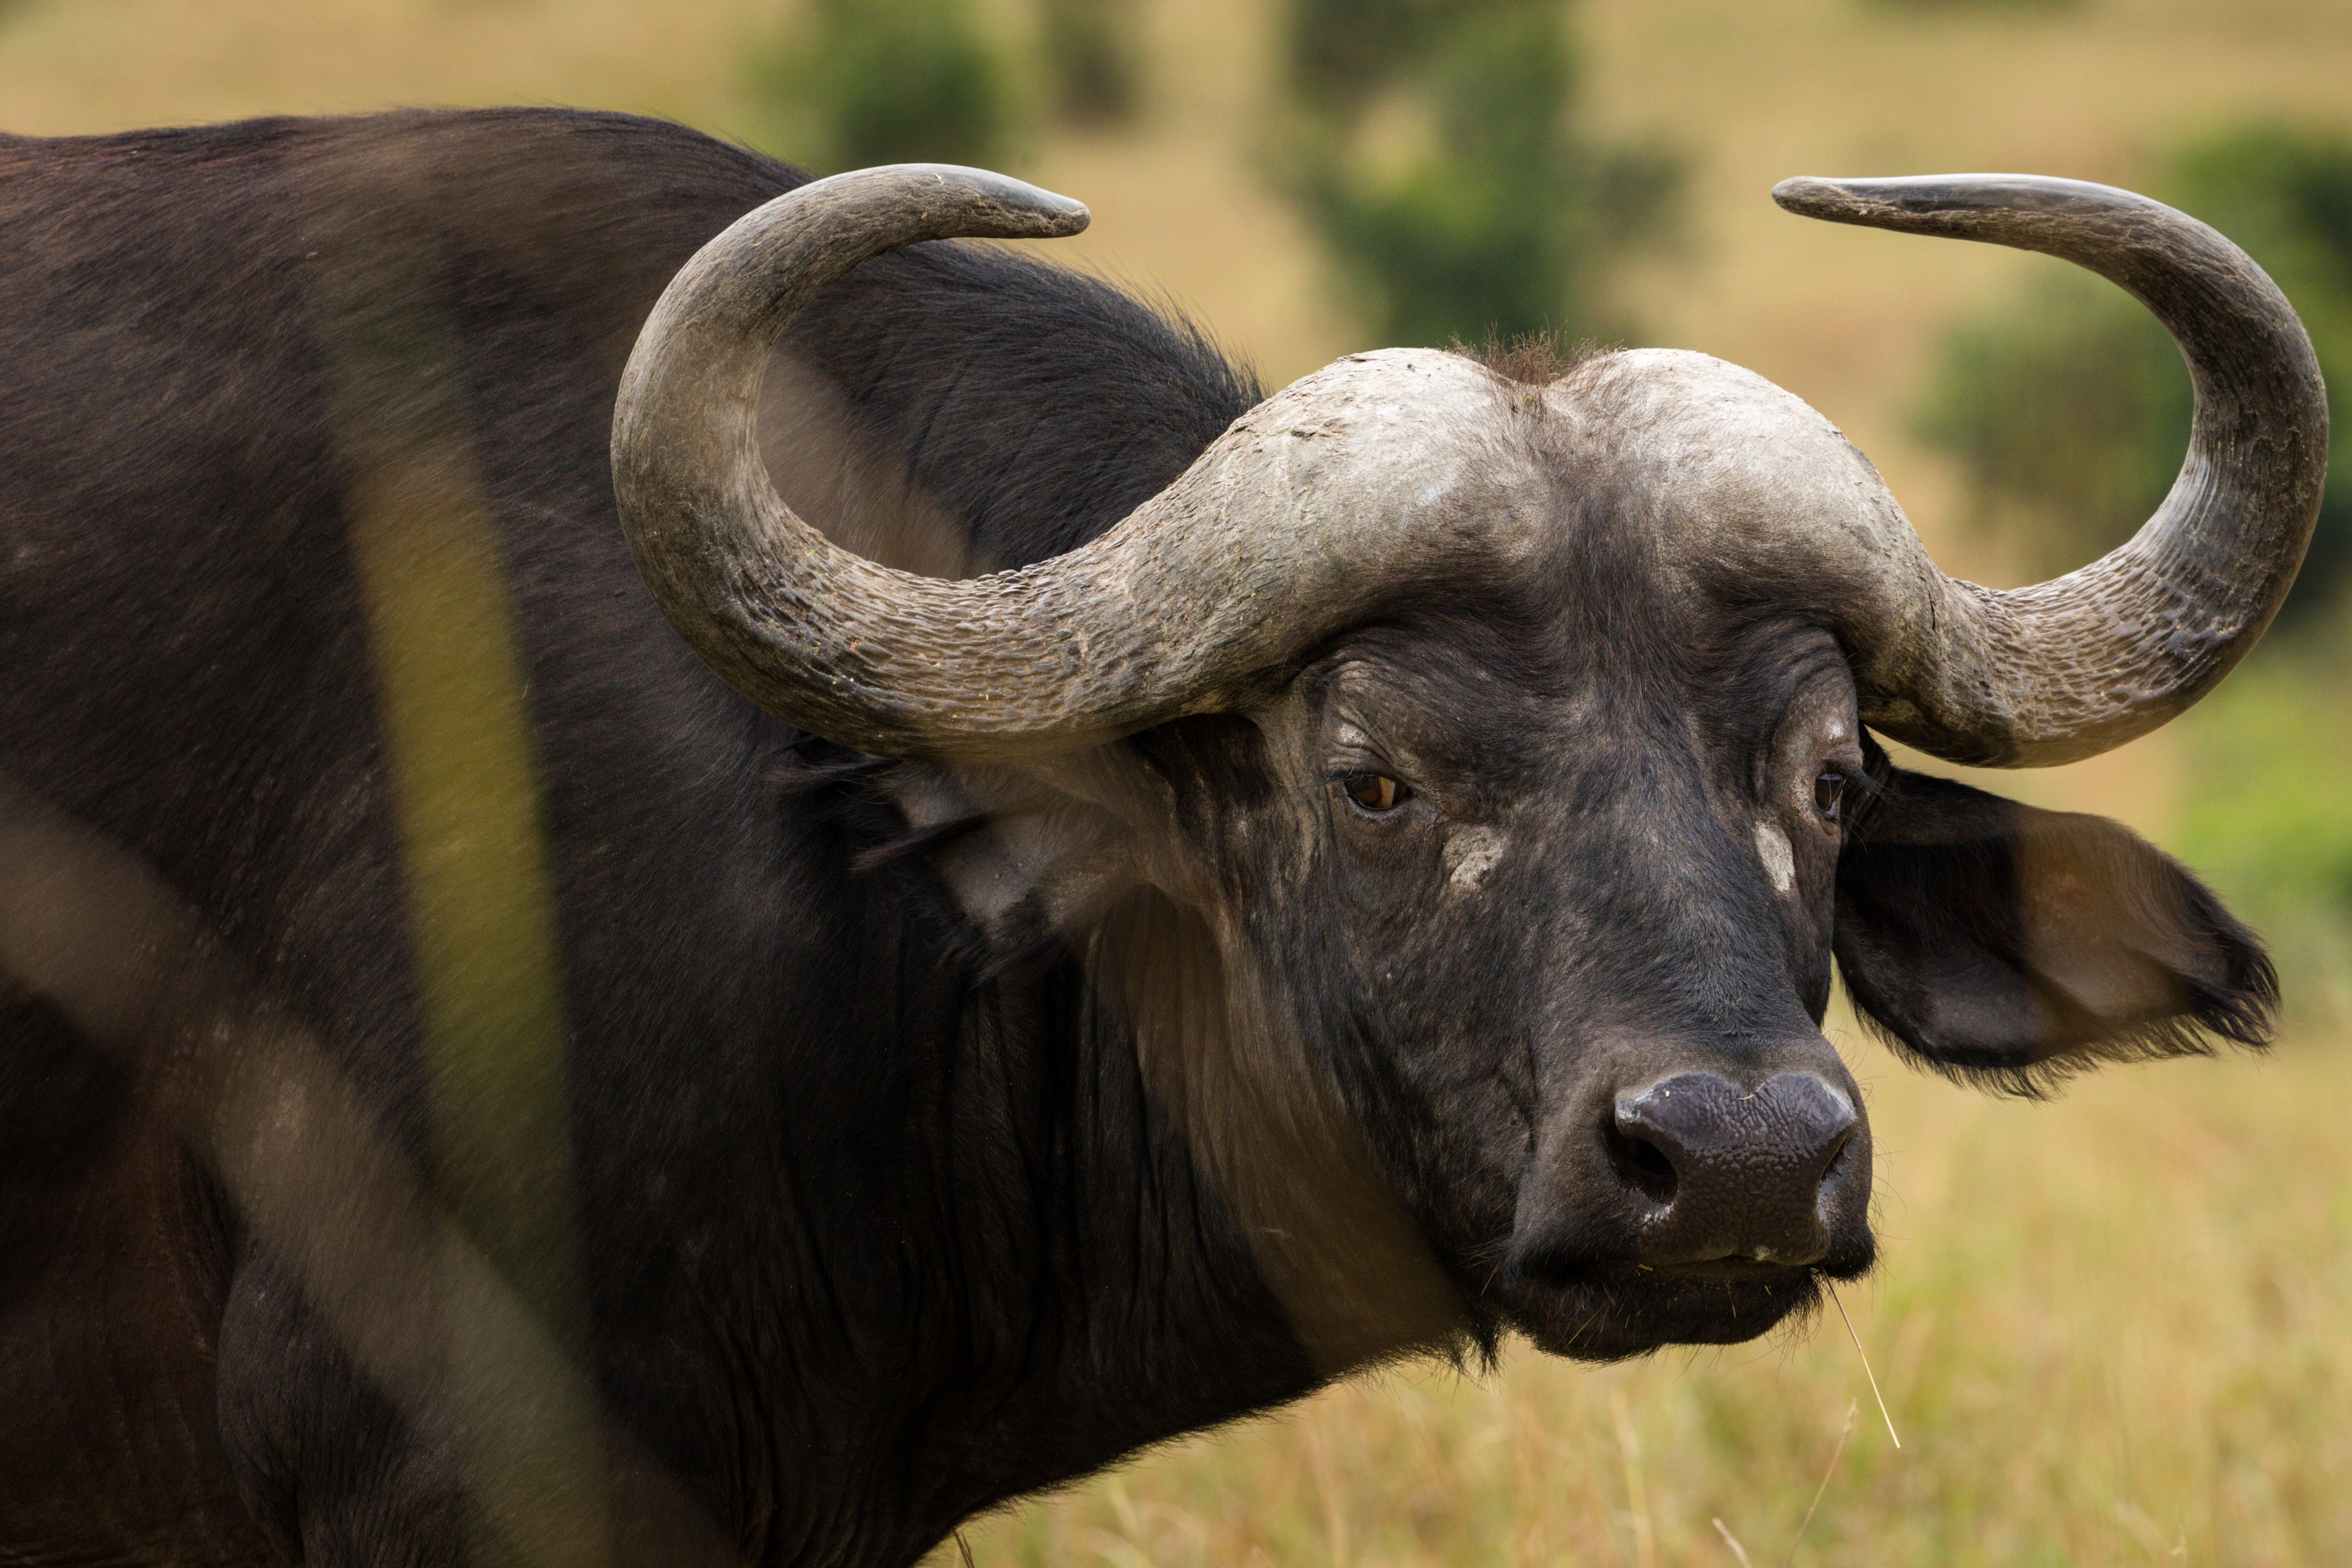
983, 1258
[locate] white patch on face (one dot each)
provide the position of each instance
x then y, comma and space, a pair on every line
1470, 854
1837, 730
1779, 863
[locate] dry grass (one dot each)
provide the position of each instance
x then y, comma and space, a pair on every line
2113, 1330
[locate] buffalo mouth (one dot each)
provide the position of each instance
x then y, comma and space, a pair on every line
1610, 1311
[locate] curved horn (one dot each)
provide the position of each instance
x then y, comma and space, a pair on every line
1298, 520
2084, 662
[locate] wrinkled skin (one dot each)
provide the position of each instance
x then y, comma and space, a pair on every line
1611, 852
1511, 855
1504, 949
1624, 928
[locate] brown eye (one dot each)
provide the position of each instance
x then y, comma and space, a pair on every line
1829, 790
1375, 792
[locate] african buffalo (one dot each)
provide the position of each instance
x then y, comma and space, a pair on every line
549, 1012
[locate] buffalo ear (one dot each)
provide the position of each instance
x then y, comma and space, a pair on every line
2012, 946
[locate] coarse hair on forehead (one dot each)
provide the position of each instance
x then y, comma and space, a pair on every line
1529, 359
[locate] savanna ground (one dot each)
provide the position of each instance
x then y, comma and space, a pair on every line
2113, 1329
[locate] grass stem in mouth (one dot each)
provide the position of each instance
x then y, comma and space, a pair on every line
1865, 1363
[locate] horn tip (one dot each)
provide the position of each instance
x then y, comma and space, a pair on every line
1032, 212
1808, 195
1057, 216
996, 206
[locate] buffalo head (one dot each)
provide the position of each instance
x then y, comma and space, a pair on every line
1463, 785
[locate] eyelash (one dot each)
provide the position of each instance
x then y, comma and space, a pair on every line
1393, 790
1856, 778
1851, 783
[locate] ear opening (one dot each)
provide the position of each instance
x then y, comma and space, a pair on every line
2010, 947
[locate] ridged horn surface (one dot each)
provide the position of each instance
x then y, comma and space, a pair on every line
2084, 662
1376, 473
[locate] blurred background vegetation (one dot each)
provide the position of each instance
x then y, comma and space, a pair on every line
859, 82
2112, 1329
1435, 147
2067, 408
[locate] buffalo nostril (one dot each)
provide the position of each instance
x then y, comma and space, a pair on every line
1641, 1164
1737, 1172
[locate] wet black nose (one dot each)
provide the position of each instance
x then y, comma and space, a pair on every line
1734, 1173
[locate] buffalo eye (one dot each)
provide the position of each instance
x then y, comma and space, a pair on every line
1375, 792
1829, 791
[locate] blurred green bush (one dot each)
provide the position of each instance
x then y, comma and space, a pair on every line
2068, 407
889, 81
1094, 56
1433, 144
2267, 814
